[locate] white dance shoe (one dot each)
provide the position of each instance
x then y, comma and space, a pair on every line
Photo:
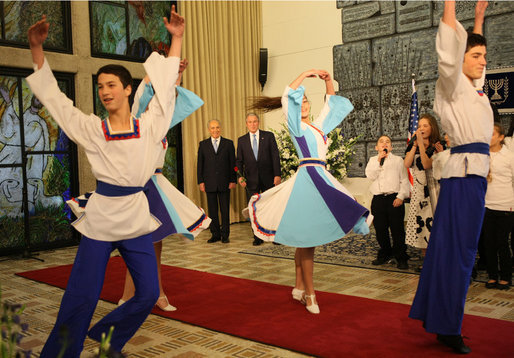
313, 307
168, 307
298, 295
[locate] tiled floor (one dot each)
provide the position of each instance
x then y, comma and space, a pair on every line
161, 337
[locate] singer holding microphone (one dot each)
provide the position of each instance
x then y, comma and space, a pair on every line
390, 187
418, 157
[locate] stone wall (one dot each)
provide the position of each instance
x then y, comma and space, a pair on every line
384, 43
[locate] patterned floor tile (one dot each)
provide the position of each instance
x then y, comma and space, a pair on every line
161, 337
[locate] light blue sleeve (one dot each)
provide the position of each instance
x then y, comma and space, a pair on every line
292, 106
336, 108
186, 103
144, 100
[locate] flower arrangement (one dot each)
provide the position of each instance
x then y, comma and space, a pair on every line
339, 155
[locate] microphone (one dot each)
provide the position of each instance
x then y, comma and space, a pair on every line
411, 143
383, 158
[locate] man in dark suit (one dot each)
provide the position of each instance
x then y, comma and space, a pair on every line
258, 160
216, 176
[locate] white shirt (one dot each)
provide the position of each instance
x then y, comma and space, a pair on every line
465, 116
126, 162
509, 143
500, 193
389, 178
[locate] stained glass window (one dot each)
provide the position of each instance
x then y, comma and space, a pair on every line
128, 29
17, 16
37, 168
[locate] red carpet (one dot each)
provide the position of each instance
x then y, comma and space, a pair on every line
347, 326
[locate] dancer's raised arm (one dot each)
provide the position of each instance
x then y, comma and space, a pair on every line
298, 81
37, 35
479, 16
175, 27
449, 17
325, 76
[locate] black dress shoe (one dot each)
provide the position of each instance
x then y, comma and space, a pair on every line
455, 342
213, 239
380, 261
503, 286
491, 284
257, 242
402, 265
225, 240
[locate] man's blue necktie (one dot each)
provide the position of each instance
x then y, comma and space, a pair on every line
215, 146
254, 145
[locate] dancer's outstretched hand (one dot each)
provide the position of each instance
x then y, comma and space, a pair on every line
183, 65
38, 32
324, 75
480, 8
176, 25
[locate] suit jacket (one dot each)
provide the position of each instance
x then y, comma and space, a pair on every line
265, 168
216, 170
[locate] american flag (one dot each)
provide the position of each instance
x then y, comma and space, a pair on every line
413, 122
414, 115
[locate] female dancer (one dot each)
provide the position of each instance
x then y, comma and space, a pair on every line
311, 208
418, 157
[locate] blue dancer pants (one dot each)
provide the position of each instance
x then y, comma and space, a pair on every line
84, 286
444, 280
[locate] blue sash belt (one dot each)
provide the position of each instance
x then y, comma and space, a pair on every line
312, 161
83, 202
107, 189
481, 148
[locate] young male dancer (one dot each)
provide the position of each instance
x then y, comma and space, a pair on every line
122, 151
467, 118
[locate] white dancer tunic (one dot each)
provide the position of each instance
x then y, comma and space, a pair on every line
118, 158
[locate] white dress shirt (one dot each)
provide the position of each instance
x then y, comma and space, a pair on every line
500, 194
389, 178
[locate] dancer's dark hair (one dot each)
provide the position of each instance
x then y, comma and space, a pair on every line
263, 103
475, 40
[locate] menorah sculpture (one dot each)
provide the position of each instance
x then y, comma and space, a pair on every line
496, 85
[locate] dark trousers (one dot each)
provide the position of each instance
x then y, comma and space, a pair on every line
251, 192
512, 242
221, 200
83, 290
387, 217
496, 229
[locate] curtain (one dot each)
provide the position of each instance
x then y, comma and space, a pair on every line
221, 42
